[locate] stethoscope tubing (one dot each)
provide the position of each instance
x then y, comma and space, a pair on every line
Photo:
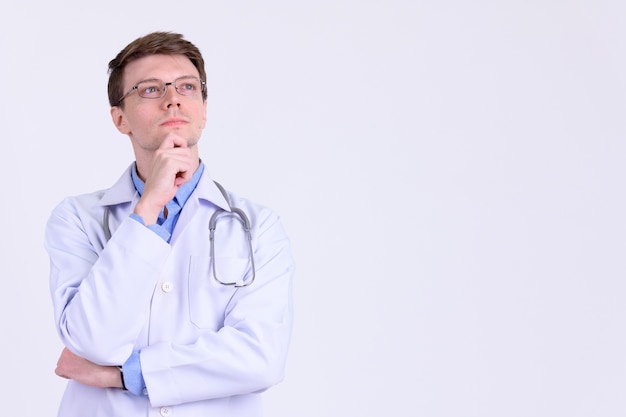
245, 221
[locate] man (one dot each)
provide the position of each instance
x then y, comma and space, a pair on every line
159, 317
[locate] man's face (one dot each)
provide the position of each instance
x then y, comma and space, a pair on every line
148, 121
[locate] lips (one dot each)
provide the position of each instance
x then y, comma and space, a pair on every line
174, 122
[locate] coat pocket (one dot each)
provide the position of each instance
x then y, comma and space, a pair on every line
208, 298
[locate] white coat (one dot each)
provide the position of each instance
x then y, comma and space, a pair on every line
206, 349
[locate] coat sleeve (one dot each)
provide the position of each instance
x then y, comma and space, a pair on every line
248, 354
100, 291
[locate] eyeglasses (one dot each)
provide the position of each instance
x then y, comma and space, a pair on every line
185, 86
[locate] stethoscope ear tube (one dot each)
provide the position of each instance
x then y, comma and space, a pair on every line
105, 224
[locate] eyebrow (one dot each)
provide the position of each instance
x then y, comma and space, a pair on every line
159, 79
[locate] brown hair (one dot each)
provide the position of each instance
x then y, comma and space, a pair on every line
166, 43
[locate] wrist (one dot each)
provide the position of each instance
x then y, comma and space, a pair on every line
148, 212
121, 379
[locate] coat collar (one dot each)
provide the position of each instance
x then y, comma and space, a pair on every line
123, 191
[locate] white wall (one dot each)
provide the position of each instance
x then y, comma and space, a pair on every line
451, 174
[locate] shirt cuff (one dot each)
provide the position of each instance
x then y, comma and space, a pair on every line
133, 378
156, 228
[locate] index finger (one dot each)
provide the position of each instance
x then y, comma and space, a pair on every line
173, 141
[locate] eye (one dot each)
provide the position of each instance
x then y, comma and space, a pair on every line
149, 89
188, 86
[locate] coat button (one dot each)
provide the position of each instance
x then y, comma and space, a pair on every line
167, 286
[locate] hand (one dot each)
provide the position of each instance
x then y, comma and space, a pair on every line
71, 366
173, 165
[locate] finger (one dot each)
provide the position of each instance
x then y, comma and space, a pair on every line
60, 373
182, 177
173, 140
179, 142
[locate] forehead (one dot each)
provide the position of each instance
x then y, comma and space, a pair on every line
164, 67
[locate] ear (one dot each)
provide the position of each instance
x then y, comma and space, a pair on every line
119, 120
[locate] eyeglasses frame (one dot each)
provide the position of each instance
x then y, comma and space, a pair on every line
165, 85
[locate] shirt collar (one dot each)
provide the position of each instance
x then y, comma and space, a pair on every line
124, 190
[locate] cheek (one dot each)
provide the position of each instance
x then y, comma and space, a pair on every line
203, 115
140, 120
199, 127
200, 119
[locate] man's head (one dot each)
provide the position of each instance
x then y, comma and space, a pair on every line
157, 94
157, 43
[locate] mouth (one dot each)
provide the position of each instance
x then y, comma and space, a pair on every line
174, 122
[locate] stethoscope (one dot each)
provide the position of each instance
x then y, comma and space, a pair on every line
243, 218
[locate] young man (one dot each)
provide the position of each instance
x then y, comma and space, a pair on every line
165, 303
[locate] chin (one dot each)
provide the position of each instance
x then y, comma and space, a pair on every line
192, 142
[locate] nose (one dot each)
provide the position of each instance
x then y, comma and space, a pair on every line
171, 97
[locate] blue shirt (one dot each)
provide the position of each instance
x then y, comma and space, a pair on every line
164, 227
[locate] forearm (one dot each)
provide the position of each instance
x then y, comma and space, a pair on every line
101, 300
176, 374
248, 354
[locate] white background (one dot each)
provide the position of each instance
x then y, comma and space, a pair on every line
450, 173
